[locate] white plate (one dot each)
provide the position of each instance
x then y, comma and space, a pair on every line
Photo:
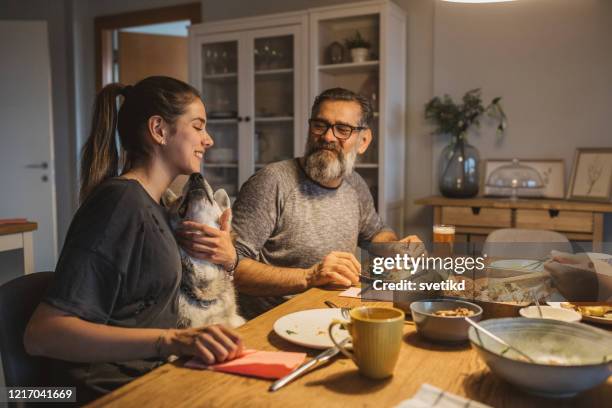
308, 328
523, 265
550, 312
592, 319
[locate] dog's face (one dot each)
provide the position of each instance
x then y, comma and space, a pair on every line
199, 204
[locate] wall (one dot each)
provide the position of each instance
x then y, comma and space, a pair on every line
451, 48
550, 60
58, 17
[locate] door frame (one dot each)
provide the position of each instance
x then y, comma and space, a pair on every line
104, 26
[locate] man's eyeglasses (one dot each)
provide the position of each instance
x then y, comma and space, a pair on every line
341, 131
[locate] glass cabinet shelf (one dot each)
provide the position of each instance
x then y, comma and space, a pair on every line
274, 119
274, 71
349, 67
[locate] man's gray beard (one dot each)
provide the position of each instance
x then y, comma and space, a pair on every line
326, 166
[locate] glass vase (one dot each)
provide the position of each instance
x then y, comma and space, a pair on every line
459, 169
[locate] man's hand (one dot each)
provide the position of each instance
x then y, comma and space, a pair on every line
338, 268
208, 243
411, 238
213, 344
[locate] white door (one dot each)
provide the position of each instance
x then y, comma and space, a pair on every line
27, 186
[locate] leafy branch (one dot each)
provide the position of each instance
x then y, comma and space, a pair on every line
455, 119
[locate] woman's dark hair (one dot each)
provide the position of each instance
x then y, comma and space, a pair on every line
341, 94
156, 95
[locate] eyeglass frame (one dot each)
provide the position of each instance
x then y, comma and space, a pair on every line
333, 128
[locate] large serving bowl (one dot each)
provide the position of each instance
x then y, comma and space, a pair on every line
570, 357
442, 328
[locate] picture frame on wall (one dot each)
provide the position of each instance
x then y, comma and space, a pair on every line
591, 178
552, 172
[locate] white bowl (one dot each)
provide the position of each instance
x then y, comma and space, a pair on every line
549, 312
583, 349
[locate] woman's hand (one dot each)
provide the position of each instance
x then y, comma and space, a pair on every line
208, 243
213, 344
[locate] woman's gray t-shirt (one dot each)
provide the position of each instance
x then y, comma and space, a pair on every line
119, 266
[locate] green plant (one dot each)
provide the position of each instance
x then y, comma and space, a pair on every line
456, 119
356, 42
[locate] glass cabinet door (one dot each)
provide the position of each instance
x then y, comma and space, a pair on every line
274, 96
220, 94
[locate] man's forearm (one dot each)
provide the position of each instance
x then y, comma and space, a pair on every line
258, 279
385, 236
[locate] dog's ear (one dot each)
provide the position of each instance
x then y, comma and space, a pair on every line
222, 199
168, 198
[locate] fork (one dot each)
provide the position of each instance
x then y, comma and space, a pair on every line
344, 310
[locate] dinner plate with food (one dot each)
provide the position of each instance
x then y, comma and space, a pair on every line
308, 328
598, 313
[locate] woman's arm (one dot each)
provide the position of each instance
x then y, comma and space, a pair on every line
55, 334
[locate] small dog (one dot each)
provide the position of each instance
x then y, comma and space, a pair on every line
207, 294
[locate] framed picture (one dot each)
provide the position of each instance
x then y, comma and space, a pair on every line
591, 177
552, 172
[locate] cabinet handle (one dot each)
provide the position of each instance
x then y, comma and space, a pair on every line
553, 213
239, 118
475, 210
247, 119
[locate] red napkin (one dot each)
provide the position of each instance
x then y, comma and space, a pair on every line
256, 363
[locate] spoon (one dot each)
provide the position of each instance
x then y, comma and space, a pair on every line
497, 339
537, 304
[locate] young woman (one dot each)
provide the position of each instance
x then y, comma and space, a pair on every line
111, 312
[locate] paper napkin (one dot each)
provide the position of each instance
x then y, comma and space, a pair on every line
428, 396
256, 363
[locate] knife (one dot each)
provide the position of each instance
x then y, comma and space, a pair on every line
324, 356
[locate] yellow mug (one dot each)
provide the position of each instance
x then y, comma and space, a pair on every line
377, 337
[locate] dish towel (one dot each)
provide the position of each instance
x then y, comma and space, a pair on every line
429, 396
256, 363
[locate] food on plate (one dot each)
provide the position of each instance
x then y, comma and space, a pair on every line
603, 311
458, 312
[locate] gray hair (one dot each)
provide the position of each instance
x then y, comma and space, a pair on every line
341, 94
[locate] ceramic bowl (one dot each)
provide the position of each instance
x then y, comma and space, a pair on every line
570, 357
442, 328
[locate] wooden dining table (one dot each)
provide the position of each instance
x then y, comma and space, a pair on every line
456, 369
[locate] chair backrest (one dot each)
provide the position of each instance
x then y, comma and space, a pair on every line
525, 243
18, 299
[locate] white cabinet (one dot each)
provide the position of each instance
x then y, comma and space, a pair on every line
380, 77
252, 76
259, 77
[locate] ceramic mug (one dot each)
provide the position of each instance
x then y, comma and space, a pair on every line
377, 337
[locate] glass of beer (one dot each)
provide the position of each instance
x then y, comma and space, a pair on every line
444, 233
443, 239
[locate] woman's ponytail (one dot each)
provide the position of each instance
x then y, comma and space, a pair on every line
100, 157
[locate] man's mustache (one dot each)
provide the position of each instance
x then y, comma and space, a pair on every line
326, 146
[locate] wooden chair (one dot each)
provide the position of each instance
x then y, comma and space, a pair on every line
18, 299
524, 243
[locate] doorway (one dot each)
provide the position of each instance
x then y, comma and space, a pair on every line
132, 46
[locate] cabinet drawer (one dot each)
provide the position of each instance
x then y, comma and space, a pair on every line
570, 221
483, 217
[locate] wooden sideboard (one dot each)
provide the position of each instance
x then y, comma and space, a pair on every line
19, 236
475, 218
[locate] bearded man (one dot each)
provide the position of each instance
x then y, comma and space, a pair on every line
298, 221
